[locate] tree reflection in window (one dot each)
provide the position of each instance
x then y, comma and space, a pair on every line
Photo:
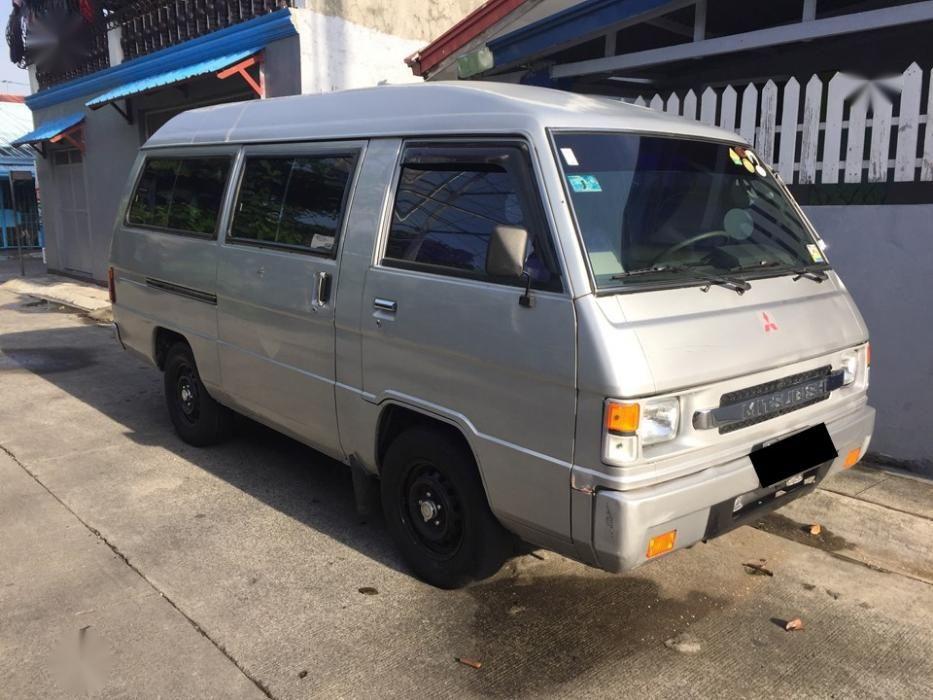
180, 194
294, 202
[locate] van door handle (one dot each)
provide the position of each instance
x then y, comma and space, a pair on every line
323, 288
385, 305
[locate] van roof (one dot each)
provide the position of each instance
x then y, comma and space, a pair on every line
418, 109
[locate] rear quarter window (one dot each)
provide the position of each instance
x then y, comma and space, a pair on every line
180, 194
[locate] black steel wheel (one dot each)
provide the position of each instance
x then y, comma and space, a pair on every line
189, 388
436, 509
198, 419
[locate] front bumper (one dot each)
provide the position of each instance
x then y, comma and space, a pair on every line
700, 506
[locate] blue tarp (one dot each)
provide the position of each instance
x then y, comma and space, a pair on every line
50, 129
173, 76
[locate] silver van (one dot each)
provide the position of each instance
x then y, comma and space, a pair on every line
528, 313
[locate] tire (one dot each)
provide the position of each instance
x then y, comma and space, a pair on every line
198, 419
436, 510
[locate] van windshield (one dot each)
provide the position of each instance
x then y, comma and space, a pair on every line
669, 211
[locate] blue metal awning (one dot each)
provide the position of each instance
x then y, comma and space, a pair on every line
171, 77
580, 20
50, 129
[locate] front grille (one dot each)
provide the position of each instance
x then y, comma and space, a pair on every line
752, 392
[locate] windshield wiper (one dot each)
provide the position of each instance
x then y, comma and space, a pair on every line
739, 286
817, 274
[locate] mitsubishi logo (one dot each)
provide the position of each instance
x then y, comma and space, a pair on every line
769, 324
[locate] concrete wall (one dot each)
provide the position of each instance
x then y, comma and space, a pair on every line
338, 54
885, 256
423, 20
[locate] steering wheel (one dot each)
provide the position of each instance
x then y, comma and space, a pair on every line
684, 243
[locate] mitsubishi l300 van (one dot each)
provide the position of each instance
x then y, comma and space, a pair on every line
604, 330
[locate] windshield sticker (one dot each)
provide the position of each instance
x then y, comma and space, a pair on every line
815, 253
569, 157
746, 158
584, 183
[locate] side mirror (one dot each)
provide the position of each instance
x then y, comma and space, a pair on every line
506, 254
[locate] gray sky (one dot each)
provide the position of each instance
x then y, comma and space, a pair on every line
9, 72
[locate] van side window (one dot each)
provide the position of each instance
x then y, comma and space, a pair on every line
295, 202
180, 194
450, 200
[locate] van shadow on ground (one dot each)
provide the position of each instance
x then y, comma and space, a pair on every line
536, 629
294, 479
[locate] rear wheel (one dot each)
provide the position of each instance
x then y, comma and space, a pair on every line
198, 419
436, 510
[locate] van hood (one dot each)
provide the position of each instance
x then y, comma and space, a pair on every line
688, 337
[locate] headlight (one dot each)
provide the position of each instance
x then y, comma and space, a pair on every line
659, 421
849, 369
630, 425
856, 365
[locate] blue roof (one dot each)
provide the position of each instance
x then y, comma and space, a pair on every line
170, 77
259, 31
51, 129
584, 19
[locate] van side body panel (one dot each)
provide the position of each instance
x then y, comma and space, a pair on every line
169, 279
275, 321
467, 351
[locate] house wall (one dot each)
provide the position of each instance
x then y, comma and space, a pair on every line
329, 52
79, 244
885, 257
338, 54
422, 20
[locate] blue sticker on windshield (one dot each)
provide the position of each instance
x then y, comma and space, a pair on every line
584, 183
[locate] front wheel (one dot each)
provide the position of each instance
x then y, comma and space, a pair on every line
198, 419
437, 512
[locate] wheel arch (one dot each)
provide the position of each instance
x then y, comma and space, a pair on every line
395, 418
163, 339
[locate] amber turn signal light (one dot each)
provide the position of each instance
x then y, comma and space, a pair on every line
622, 417
852, 458
661, 543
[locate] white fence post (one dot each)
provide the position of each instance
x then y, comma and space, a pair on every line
765, 143
810, 138
708, 107
908, 125
673, 105
880, 140
855, 146
749, 113
727, 113
789, 111
690, 105
840, 85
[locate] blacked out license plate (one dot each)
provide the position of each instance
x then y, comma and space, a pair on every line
792, 455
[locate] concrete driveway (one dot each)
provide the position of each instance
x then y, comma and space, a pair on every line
133, 565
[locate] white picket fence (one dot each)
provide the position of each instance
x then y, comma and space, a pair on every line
850, 113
